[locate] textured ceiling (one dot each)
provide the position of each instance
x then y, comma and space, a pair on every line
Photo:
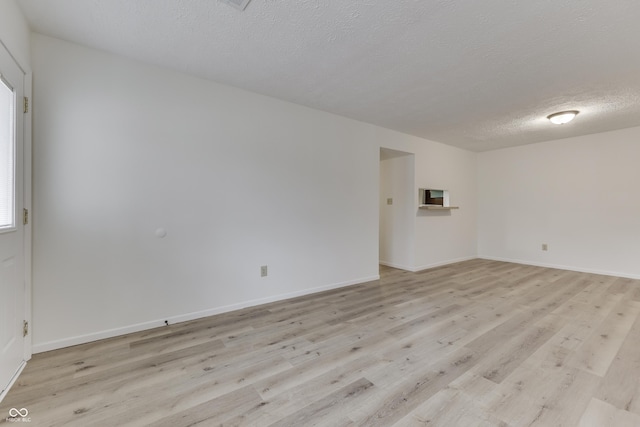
475, 74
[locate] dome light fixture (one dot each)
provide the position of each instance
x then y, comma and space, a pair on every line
238, 4
562, 117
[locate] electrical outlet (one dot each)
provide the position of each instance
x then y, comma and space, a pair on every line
263, 271
545, 247
390, 201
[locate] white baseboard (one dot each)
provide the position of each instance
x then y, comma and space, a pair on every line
110, 333
563, 267
393, 265
4, 392
425, 267
441, 263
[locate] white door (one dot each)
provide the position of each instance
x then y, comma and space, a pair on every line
12, 257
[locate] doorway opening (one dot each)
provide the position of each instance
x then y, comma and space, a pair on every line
397, 209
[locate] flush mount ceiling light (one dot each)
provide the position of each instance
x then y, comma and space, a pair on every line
238, 4
562, 117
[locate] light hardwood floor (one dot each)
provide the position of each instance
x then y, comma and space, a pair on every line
479, 343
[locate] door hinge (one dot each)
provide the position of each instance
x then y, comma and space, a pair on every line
26, 105
25, 216
25, 328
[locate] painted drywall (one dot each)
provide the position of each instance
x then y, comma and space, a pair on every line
446, 236
577, 195
237, 180
397, 220
15, 34
441, 238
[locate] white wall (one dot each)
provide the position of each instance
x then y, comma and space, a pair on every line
238, 180
446, 236
578, 195
441, 237
397, 221
15, 34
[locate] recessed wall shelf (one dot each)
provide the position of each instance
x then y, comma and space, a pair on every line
435, 200
438, 208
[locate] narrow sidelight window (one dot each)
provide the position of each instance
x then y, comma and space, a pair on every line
7, 155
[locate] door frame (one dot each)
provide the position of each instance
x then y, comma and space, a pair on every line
27, 202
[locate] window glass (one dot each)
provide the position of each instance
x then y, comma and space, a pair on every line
7, 156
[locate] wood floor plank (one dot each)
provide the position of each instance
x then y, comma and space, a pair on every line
598, 351
621, 384
331, 410
217, 410
450, 407
509, 355
290, 397
600, 413
482, 343
397, 398
299, 374
543, 397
